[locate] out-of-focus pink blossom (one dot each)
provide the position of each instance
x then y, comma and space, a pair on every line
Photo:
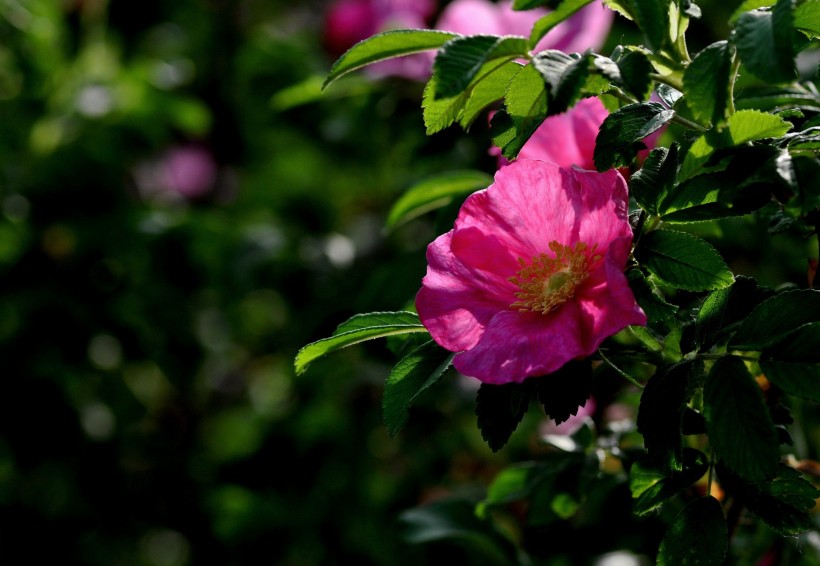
532, 274
349, 21
586, 29
186, 172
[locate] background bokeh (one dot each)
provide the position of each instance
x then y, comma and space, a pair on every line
181, 212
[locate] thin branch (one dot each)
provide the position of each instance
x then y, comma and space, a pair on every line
620, 372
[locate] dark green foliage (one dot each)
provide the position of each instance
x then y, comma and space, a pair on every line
661, 411
563, 392
765, 42
651, 487
683, 261
500, 408
707, 83
653, 181
620, 135
739, 425
698, 533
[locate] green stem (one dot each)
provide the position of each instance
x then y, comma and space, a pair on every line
620, 372
719, 356
733, 74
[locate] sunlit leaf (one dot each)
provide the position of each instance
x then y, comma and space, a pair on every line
461, 59
359, 328
387, 45
543, 26
435, 192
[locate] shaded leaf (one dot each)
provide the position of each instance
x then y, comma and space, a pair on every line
415, 373
564, 391
651, 487
500, 408
739, 425
652, 303
683, 261
706, 81
485, 92
525, 104
661, 412
777, 317
619, 137
794, 364
724, 308
764, 42
565, 75
651, 183
698, 535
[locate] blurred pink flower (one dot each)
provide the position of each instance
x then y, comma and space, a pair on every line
572, 424
188, 172
532, 274
349, 21
587, 29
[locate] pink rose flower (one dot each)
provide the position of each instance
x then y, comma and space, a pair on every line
586, 29
532, 274
566, 139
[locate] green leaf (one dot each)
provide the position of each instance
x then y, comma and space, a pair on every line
649, 299
739, 426
749, 5
546, 23
394, 43
807, 18
651, 183
453, 519
635, 70
723, 309
776, 318
565, 75
794, 364
439, 113
565, 391
706, 81
764, 41
462, 58
743, 126
525, 104
698, 535
660, 414
619, 137
784, 503
652, 17
651, 487
357, 329
499, 409
683, 261
414, 374
493, 87
435, 192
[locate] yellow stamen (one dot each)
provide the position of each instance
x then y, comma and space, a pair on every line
548, 282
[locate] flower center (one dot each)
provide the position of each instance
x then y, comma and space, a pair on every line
547, 282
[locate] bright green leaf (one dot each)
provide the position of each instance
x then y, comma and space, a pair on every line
683, 261
743, 126
652, 17
485, 92
698, 535
738, 423
807, 18
357, 329
776, 318
543, 26
416, 372
461, 59
435, 192
394, 43
525, 105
